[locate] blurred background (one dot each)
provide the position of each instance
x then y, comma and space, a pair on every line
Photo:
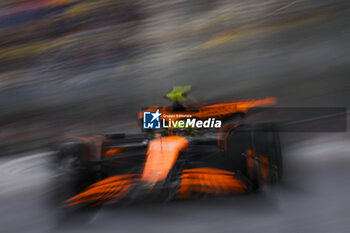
81, 67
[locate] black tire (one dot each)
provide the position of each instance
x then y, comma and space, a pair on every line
264, 140
237, 143
72, 168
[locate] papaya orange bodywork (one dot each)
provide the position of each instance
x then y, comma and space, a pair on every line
264, 163
113, 151
212, 111
109, 189
161, 156
209, 181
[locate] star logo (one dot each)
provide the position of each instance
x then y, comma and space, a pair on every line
156, 115
151, 120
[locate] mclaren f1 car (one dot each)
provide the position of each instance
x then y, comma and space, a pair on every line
175, 162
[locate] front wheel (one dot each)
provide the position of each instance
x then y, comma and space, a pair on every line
72, 174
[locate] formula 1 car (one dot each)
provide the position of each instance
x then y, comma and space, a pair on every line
175, 163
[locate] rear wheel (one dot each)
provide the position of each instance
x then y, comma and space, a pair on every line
255, 151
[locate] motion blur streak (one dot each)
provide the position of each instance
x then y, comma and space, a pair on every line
85, 67
255, 29
216, 110
201, 182
112, 188
222, 110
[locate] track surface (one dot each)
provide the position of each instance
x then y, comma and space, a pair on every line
304, 66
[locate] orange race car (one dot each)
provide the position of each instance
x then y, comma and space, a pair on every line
183, 152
